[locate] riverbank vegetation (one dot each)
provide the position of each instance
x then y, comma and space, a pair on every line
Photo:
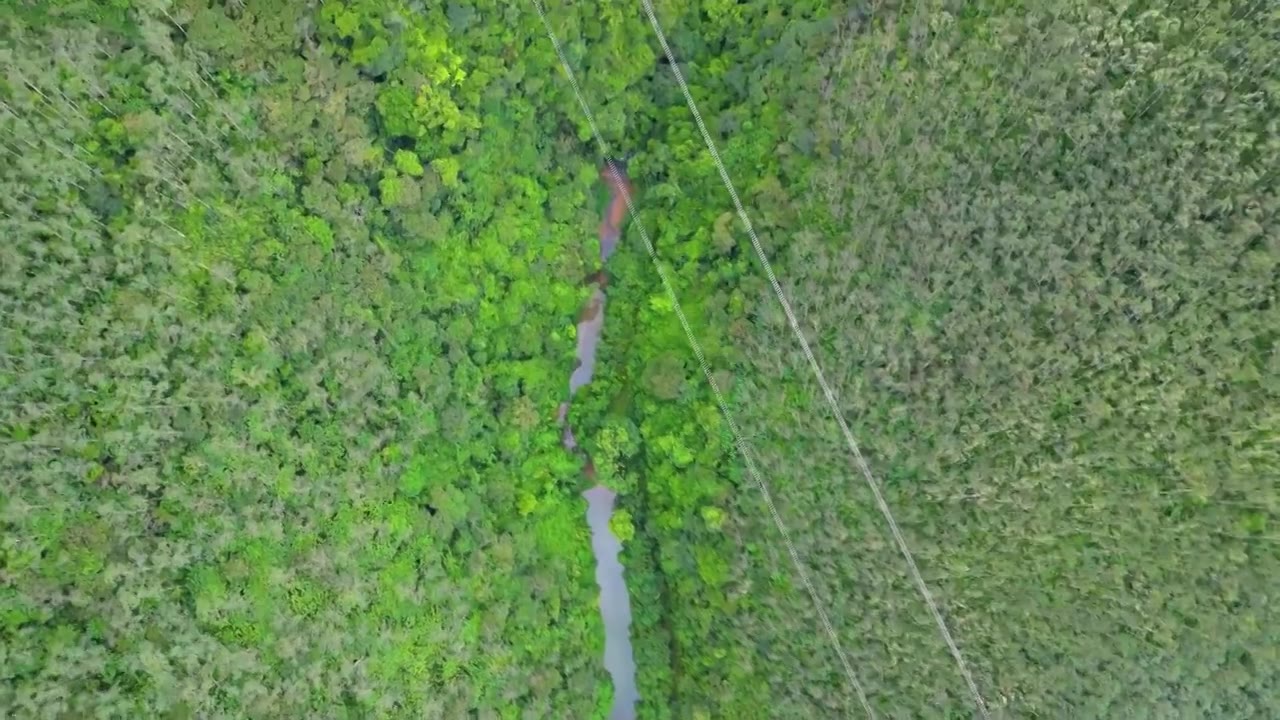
288, 293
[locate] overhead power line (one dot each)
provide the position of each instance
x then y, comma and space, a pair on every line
739, 441
859, 459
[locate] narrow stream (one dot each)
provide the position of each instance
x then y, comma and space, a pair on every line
615, 606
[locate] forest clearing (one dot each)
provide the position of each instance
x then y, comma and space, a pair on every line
292, 312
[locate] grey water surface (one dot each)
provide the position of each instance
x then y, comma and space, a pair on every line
615, 606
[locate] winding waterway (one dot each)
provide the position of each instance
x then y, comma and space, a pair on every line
615, 605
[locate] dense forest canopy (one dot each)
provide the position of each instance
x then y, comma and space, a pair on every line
287, 304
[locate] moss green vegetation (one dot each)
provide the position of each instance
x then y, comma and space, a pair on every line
287, 292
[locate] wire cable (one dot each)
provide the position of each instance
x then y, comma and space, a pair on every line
739, 442
861, 461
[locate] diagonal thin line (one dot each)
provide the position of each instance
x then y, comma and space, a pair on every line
822, 380
739, 442
1195, 46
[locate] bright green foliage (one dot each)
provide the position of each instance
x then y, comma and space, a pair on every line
407, 163
622, 526
276, 437
288, 293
